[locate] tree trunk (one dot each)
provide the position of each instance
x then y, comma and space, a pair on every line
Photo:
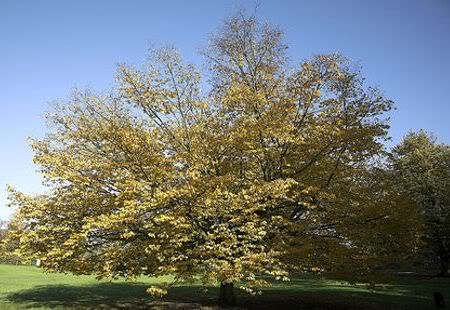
444, 256
439, 300
444, 266
226, 295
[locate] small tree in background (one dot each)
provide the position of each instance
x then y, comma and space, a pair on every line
8, 245
421, 167
271, 172
3, 231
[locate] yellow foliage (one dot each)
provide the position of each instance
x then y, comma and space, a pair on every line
266, 175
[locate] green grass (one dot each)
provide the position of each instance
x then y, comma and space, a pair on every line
24, 287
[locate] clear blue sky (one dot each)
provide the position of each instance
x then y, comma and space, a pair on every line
49, 47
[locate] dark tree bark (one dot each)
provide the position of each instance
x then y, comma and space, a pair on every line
439, 300
226, 295
444, 256
444, 266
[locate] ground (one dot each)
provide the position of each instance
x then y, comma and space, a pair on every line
25, 287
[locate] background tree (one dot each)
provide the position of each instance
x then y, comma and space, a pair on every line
3, 230
270, 172
421, 167
7, 244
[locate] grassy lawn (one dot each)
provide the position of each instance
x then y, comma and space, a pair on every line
24, 287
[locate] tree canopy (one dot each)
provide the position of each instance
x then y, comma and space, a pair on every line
269, 172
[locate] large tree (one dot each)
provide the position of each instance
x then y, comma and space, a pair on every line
421, 167
270, 172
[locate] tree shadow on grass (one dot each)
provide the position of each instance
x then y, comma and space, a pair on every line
134, 296
302, 295
109, 296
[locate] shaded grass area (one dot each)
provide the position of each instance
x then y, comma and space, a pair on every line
23, 287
